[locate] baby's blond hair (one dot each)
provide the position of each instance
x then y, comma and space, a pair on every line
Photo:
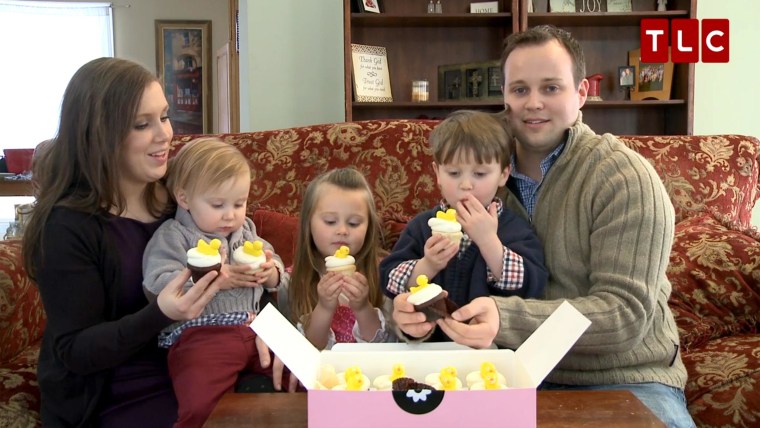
203, 164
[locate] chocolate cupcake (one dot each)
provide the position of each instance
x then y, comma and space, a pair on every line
204, 258
409, 384
430, 299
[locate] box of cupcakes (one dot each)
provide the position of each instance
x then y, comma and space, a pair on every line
399, 384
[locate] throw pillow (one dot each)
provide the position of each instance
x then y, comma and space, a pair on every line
715, 272
280, 230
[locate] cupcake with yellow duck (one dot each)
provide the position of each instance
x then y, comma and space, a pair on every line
342, 261
204, 258
251, 254
429, 298
446, 224
445, 380
486, 378
352, 380
385, 382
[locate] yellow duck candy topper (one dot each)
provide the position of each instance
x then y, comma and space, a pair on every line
449, 215
342, 252
209, 249
397, 372
487, 368
255, 248
448, 383
354, 379
491, 381
422, 282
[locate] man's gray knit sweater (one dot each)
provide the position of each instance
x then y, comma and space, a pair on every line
607, 226
166, 255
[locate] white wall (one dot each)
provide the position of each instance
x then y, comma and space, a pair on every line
291, 63
134, 29
725, 95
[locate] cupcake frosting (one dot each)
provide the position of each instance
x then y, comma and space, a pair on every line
205, 254
341, 258
424, 291
445, 222
250, 253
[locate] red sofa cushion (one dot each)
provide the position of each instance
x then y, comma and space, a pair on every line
280, 230
706, 173
715, 273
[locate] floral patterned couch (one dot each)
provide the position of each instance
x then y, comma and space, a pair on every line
715, 262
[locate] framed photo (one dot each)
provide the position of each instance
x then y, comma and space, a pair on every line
626, 76
450, 84
495, 81
653, 81
372, 81
618, 5
470, 81
368, 6
183, 59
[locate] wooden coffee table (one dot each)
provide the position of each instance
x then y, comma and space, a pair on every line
555, 409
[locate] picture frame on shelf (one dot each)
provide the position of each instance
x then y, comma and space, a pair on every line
626, 76
450, 84
652, 80
372, 6
370, 75
561, 6
469, 81
618, 6
183, 62
495, 81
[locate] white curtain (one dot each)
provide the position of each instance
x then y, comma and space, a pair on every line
43, 44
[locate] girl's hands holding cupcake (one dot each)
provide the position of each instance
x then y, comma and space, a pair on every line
356, 289
328, 290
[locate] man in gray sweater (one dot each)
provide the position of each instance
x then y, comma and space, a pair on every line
606, 224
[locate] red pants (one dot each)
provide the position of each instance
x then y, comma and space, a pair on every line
204, 364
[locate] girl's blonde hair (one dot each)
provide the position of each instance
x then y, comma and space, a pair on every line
203, 164
309, 263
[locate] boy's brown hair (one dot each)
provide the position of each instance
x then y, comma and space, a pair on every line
480, 136
203, 164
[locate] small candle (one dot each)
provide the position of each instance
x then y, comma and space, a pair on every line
420, 91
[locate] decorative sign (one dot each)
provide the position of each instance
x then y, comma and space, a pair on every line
561, 6
618, 5
372, 81
485, 7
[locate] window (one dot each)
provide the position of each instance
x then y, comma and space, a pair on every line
44, 43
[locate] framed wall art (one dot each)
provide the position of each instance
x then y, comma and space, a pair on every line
183, 59
372, 81
652, 81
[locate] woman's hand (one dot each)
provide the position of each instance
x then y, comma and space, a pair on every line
180, 305
236, 276
475, 324
328, 290
407, 319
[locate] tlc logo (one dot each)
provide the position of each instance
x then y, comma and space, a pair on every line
684, 40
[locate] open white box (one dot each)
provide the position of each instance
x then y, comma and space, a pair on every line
524, 370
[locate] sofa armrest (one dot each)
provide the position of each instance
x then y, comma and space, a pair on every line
22, 317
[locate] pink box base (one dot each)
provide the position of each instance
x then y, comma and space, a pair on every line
509, 407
